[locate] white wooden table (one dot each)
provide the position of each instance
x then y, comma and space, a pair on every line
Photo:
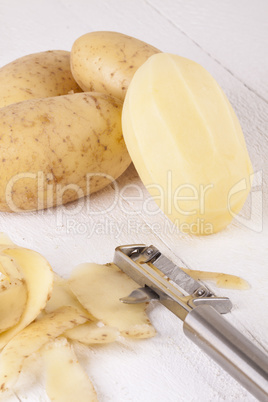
229, 39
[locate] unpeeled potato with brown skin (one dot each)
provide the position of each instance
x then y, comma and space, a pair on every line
50, 147
106, 61
38, 75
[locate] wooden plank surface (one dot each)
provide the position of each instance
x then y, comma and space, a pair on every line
230, 40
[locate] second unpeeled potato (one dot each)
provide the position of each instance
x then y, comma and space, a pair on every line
57, 145
106, 61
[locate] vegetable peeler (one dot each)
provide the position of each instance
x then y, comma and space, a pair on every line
201, 311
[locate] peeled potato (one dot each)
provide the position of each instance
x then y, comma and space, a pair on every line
31, 339
186, 143
106, 61
99, 288
38, 278
90, 333
56, 150
38, 75
66, 381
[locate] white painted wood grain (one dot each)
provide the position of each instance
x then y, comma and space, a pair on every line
233, 32
169, 367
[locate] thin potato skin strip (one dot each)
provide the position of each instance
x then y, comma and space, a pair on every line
5, 240
31, 339
13, 299
66, 381
38, 277
9, 267
63, 296
89, 333
99, 288
221, 280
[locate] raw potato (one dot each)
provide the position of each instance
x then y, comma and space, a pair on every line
90, 333
38, 75
106, 61
186, 143
66, 381
56, 150
38, 277
31, 339
13, 298
99, 288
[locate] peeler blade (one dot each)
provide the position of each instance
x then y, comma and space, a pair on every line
174, 273
141, 295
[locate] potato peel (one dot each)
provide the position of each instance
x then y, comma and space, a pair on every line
38, 277
99, 288
66, 381
13, 299
63, 296
5, 240
31, 339
221, 280
9, 268
90, 333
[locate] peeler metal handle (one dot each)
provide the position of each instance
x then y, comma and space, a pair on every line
229, 348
